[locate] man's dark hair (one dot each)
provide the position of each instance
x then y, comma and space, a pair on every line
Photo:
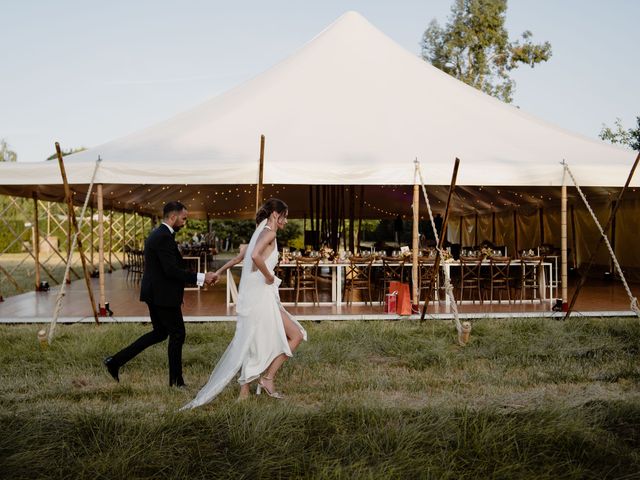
171, 207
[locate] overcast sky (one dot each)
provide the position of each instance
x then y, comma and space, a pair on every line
84, 72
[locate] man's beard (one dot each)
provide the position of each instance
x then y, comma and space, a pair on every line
176, 228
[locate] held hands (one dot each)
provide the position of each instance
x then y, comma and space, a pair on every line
211, 278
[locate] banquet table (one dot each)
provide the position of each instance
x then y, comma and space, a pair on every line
337, 271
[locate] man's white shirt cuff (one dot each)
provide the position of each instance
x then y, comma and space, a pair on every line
200, 280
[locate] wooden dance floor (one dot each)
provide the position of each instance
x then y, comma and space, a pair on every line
599, 298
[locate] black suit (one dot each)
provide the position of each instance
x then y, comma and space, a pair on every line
162, 288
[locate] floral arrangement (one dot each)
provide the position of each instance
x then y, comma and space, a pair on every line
327, 252
486, 252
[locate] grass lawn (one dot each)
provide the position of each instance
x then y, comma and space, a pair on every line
525, 399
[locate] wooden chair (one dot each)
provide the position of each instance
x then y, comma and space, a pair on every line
306, 278
471, 277
499, 277
390, 273
358, 277
287, 275
427, 278
531, 269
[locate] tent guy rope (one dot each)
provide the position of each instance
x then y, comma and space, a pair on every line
632, 299
61, 293
448, 288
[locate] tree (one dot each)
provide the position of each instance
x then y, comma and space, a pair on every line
66, 152
474, 47
630, 137
6, 154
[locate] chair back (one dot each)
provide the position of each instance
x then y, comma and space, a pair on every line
470, 268
393, 268
359, 269
307, 268
499, 267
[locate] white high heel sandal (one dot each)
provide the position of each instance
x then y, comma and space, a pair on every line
261, 386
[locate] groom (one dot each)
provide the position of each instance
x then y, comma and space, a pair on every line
162, 289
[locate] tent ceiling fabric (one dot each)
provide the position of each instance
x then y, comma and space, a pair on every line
380, 201
351, 107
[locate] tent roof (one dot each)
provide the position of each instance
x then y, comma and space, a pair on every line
350, 107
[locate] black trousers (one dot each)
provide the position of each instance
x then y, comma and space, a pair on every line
167, 322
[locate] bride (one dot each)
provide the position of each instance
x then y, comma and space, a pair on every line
266, 334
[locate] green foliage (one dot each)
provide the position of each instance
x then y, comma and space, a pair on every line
193, 226
7, 239
474, 47
66, 152
290, 233
526, 399
6, 154
619, 135
238, 231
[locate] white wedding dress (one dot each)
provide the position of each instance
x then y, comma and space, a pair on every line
259, 336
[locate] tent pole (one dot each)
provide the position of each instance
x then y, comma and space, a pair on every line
72, 214
563, 244
124, 241
110, 240
360, 216
68, 277
102, 302
583, 276
475, 230
36, 239
92, 242
574, 241
443, 235
541, 219
415, 244
493, 227
515, 231
352, 206
260, 186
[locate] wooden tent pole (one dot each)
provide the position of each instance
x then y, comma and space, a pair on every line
563, 245
360, 210
515, 232
92, 241
68, 277
443, 234
72, 214
352, 207
124, 240
36, 239
110, 240
260, 186
415, 241
102, 302
583, 277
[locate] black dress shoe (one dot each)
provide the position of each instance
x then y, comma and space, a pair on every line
112, 367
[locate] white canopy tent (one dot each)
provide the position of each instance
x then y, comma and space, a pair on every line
351, 107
